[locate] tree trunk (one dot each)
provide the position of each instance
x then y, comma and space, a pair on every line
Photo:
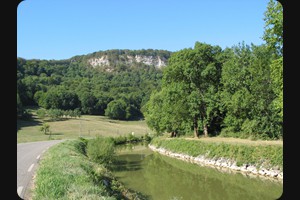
172, 134
205, 130
196, 134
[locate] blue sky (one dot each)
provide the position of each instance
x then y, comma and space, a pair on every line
60, 29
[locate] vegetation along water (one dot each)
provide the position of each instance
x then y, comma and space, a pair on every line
205, 96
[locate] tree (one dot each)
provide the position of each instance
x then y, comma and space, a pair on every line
277, 83
167, 110
198, 70
88, 103
116, 109
41, 113
45, 128
58, 98
247, 94
273, 33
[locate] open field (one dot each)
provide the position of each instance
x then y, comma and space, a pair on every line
85, 126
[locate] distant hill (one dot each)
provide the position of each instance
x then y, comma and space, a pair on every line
117, 59
111, 60
113, 82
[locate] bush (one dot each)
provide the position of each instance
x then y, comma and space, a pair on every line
81, 145
116, 110
101, 150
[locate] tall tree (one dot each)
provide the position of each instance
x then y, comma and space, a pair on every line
189, 89
247, 94
199, 69
277, 83
167, 110
273, 34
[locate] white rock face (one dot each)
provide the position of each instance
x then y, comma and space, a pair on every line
99, 61
148, 60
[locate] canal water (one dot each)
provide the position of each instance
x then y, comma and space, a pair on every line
162, 178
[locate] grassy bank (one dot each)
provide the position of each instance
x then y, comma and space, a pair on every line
85, 126
66, 172
266, 155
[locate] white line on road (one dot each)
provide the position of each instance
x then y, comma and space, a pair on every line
30, 168
19, 190
38, 157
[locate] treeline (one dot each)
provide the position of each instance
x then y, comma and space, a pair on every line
70, 84
237, 91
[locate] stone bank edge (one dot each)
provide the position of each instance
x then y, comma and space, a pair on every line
222, 164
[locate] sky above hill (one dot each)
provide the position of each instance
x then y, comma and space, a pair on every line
60, 29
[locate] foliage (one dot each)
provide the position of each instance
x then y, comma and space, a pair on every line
73, 83
277, 83
117, 109
101, 150
81, 145
57, 114
273, 33
45, 128
189, 94
131, 138
247, 94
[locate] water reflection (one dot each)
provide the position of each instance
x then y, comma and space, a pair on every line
165, 178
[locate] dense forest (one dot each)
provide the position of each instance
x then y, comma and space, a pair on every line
236, 91
75, 84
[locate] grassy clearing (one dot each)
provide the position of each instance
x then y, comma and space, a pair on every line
243, 153
86, 126
66, 173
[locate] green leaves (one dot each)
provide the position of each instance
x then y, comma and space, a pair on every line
45, 128
189, 89
247, 93
116, 109
273, 34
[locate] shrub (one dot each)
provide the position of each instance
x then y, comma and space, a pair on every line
101, 150
81, 145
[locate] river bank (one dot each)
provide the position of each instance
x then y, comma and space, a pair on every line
221, 163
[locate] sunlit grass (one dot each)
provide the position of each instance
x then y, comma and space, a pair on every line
62, 175
231, 140
85, 126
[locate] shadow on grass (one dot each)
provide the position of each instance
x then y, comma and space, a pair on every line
56, 120
54, 134
21, 123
